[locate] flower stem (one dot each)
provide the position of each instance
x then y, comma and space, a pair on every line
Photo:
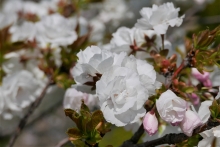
162, 37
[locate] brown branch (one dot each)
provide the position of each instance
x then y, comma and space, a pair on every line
175, 138
135, 138
24, 120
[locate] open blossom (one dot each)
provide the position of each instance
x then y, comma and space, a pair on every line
171, 107
130, 41
18, 90
73, 99
159, 18
7, 19
92, 63
114, 11
123, 90
209, 136
55, 30
150, 123
204, 112
190, 121
22, 32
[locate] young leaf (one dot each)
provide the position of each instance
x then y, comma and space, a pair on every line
84, 107
79, 143
74, 134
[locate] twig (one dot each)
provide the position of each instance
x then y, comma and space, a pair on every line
135, 138
62, 142
24, 120
175, 138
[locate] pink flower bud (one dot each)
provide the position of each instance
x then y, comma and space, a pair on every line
195, 99
203, 78
150, 123
190, 121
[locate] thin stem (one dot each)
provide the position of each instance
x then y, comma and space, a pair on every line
24, 120
135, 138
162, 37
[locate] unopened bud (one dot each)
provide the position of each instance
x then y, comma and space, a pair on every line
150, 123
190, 121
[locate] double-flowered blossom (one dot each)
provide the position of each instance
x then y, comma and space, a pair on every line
55, 30
92, 63
171, 107
25, 31
159, 18
131, 41
123, 90
18, 90
73, 99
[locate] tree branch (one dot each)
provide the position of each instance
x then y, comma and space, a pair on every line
135, 138
174, 138
24, 120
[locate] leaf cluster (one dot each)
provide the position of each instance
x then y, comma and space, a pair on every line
91, 127
205, 57
205, 38
215, 110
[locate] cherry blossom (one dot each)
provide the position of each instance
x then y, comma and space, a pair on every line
171, 107
159, 18
123, 90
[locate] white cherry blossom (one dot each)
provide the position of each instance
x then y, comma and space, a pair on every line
73, 99
92, 63
131, 41
114, 11
171, 107
204, 112
7, 19
18, 90
209, 136
159, 18
23, 32
56, 31
123, 90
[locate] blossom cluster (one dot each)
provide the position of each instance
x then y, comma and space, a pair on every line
136, 77
33, 37
123, 80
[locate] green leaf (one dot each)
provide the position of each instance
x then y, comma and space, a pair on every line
74, 134
97, 117
86, 117
189, 89
79, 143
215, 109
75, 117
84, 107
93, 138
